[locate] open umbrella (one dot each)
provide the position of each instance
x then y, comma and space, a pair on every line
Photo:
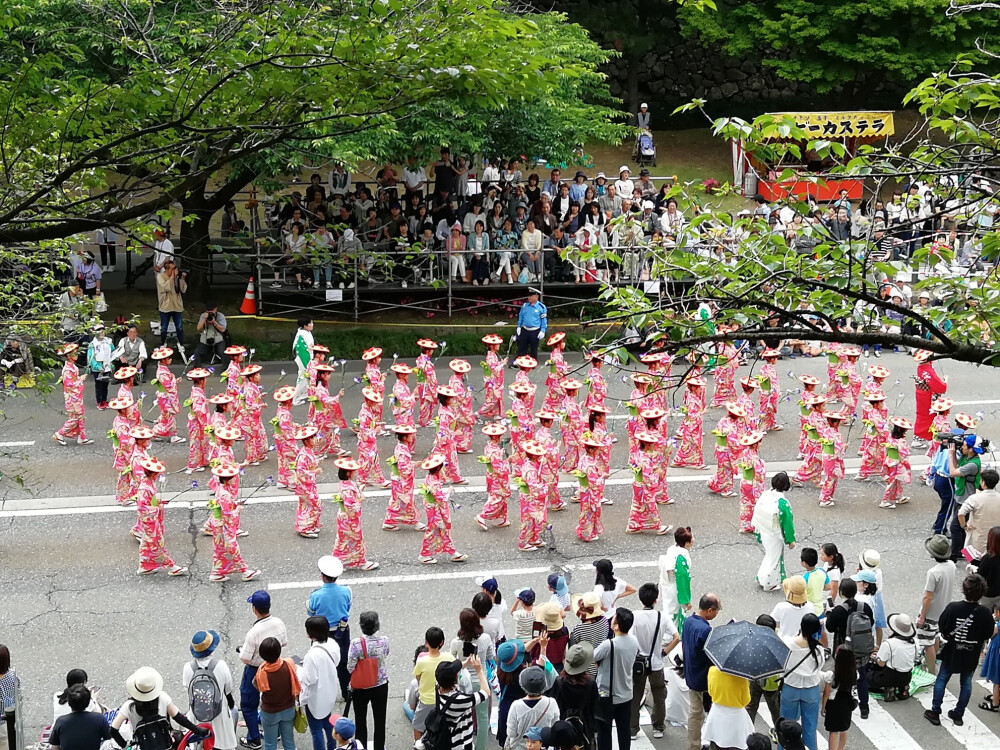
746, 650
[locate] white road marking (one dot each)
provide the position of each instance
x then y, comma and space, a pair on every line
882, 730
973, 734
976, 403
454, 574
18, 444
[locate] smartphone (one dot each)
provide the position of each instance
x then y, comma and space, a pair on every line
469, 649
537, 628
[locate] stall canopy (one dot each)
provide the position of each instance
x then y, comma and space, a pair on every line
852, 129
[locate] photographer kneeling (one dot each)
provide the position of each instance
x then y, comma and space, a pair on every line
211, 335
955, 479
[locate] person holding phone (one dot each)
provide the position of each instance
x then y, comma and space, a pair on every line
473, 643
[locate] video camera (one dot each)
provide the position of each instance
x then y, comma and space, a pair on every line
948, 438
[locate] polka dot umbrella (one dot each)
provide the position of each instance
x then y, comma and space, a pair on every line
746, 650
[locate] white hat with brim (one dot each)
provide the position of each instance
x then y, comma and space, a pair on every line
330, 566
145, 684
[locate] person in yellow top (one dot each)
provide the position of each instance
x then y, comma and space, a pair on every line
728, 723
424, 670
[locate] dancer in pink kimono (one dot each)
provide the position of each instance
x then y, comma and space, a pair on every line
493, 367
726, 435
878, 375
141, 437
811, 469
875, 418
941, 409
75, 425
437, 532
307, 514
223, 439
497, 478
462, 404
449, 420
770, 391
597, 386
427, 382
591, 474
532, 498
525, 365
402, 511
809, 383
152, 547
897, 464
319, 353
648, 476
752, 474
233, 377
374, 379
852, 388
166, 396
834, 362
597, 425
219, 419
690, 433
350, 546
522, 423
368, 427
832, 457
198, 442
121, 438
402, 399
745, 399
254, 434
226, 555
727, 366
126, 377
284, 436
550, 461
336, 416
323, 408
558, 370
573, 425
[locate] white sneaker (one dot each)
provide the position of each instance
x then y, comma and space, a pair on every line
510, 280
341, 285
112, 269
351, 285
403, 284
329, 285
657, 734
276, 285
178, 439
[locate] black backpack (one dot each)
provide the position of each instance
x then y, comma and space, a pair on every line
437, 733
153, 733
860, 633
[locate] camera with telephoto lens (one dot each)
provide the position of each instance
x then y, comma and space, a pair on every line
948, 438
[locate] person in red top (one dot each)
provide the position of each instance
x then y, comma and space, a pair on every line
929, 388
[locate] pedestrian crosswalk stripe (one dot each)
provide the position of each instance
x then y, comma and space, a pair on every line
883, 731
973, 734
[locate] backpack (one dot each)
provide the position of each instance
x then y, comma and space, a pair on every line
860, 634
437, 733
365, 674
153, 733
204, 693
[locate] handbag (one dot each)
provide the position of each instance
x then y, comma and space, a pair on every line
300, 722
643, 665
365, 674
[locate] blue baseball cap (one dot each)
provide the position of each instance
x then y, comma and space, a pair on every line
344, 727
533, 733
488, 583
973, 442
867, 576
260, 599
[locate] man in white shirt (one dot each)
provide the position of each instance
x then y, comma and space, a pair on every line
318, 676
981, 512
68, 302
657, 636
266, 626
414, 177
163, 248
623, 185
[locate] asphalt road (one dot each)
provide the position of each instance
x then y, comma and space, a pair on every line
70, 596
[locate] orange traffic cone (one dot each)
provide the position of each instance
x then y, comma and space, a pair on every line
249, 306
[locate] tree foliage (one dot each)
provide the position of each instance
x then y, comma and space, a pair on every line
113, 110
832, 292
829, 42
